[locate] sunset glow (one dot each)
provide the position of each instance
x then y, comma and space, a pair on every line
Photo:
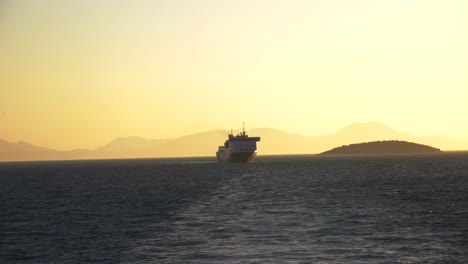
77, 74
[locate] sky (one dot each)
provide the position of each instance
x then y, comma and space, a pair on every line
79, 73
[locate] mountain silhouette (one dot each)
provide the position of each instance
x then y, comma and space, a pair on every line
131, 144
128, 147
21, 146
365, 131
23, 151
273, 141
381, 147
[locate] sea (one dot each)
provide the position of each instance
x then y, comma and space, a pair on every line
280, 209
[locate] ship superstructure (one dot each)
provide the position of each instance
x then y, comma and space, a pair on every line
239, 148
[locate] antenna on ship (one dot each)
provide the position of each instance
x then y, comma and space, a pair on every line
243, 128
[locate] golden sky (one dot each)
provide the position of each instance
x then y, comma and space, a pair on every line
77, 74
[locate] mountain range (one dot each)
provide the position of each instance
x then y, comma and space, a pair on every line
273, 141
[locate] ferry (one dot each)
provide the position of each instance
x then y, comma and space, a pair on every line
239, 148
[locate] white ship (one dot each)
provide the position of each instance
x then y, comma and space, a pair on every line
239, 148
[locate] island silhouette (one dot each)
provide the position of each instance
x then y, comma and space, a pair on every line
382, 147
206, 143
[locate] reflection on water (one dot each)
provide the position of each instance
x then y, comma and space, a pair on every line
282, 208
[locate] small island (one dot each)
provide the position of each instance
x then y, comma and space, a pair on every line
382, 147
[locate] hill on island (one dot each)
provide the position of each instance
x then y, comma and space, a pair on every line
382, 147
206, 143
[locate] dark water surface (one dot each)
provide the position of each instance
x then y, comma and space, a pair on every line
306, 209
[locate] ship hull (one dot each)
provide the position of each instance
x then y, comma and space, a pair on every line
237, 157
239, 148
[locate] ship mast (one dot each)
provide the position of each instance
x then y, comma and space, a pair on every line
243, 128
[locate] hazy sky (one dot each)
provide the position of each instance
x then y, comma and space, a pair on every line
76, 74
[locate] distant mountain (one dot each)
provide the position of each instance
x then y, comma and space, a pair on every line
25, 151
382, 147
200, 144
374, 131
21, 146
359, 132
127, 147
131, 143
273, 141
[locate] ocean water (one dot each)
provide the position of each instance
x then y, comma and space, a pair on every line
283, 209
